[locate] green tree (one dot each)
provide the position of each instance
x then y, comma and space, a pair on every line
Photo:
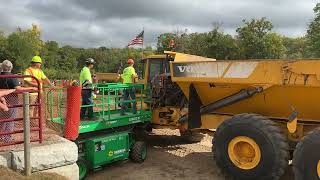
67, 62
252, 38
221, 46
274, 48
196, 43
23, 45
63, 62
295, 47
163, 42
4, 54
50, 53
313, 33
214, 44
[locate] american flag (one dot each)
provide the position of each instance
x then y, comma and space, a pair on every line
137, 40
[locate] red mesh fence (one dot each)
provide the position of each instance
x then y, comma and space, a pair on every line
55, 102
12, 121
62, 112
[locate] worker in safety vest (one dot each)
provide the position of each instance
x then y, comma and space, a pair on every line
35, 70
129, 76
86, 83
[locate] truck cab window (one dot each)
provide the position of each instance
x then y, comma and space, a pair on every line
155, 69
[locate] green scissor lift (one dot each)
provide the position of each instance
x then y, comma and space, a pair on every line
109, 137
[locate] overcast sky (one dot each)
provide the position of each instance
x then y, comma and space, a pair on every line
112, 23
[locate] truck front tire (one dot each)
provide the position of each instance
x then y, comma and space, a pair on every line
250, 146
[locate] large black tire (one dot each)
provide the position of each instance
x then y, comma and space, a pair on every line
138, 152
306, 157
273, 145
83, 168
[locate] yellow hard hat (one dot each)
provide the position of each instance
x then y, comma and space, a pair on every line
36, 59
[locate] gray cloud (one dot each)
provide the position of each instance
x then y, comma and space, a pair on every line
95, 23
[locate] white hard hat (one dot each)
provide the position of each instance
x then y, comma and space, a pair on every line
6, 66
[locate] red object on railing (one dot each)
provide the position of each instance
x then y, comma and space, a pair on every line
11, 122
72, 121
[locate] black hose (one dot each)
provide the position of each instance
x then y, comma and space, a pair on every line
241, 95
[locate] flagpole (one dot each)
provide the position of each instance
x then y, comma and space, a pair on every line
142, 44
142, 52
128, 51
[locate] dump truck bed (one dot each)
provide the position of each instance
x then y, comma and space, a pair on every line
288, 85
107, 77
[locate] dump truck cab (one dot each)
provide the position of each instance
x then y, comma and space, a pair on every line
168, 102
153, 66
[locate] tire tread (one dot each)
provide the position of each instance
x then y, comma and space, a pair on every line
270, 129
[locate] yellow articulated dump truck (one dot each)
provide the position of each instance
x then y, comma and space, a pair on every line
264, 112
107, 77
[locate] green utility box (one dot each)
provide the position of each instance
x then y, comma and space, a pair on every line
109, 136
97, 151
110, 148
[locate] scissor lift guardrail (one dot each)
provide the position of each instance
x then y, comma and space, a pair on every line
106, 107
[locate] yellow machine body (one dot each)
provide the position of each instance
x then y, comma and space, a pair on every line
258, 110
288, 86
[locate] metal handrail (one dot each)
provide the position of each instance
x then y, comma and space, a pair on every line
37, 104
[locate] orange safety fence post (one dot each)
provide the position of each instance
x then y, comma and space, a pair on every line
72, 120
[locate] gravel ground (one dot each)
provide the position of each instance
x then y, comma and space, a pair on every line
8, 174
169, 158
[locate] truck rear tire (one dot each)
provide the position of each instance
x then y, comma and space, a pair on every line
250, 146
306, 157
138, 152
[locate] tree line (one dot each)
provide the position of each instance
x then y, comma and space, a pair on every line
61, 62
254, 39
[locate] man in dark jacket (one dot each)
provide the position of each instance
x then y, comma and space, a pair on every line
9, 100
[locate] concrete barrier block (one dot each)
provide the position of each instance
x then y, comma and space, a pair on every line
47, 156
5, 159
71, 171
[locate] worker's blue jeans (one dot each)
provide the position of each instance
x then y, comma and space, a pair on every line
86, 100
127, 94
7, 127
